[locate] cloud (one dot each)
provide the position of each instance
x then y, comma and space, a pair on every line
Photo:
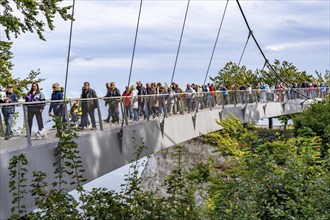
294, 45
292, 22
103, 37
74, 58
275, 48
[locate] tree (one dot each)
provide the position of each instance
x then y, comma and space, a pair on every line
325, 79
53, 202
315, 120
287, 71
255, 179
6, 77
17, 185
231, 74
180, 201
278, 180
30, 16
284, 119
283, 179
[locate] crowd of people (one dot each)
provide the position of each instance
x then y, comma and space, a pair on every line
151, 100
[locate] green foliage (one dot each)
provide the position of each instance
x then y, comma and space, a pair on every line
52, 202
30, 16
315, 120
278, 180
283, 179
231, 74
17, 184
232, 139
20, 85
56, 205
69, 164
102, 203
20, 16
284, 119
132, 195
287, 71
180, 202
323, 78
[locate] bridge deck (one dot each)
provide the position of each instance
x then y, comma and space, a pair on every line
103, 152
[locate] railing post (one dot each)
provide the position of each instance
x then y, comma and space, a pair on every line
99, 115
27, 128
181, 104
221, 115
235, 97
210, 99
123, 113
146, 106
66, 115
125, 110
1, 126
256, 96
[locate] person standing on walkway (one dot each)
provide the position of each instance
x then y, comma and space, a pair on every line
189, 97
56, 107
107, 101
114, 93
9, 110
224, 92
142, 99
127, 102
135, 103
88, 106
35, 95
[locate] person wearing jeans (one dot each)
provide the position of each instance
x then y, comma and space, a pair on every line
88, 106
35, 95
9, 110
135, 102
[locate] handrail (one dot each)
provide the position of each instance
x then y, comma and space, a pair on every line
19, 103
162, 105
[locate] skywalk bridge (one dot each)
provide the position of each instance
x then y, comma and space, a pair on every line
111, 145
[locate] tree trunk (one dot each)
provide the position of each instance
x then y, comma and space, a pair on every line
270, 123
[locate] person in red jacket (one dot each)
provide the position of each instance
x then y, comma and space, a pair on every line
127, 102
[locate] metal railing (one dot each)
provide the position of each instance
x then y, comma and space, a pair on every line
125, 110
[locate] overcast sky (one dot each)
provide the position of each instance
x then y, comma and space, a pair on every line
103, 37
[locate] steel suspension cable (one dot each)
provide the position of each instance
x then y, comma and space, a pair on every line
178, 51
262, 53
133, 53
216, 42
69, 51
246, 43
265, 64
